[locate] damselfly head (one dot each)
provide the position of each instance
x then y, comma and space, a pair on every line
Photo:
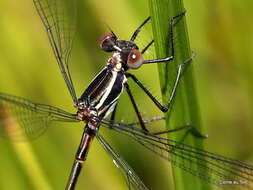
130, 55
108, 41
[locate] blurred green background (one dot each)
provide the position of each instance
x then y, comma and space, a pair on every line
221, 35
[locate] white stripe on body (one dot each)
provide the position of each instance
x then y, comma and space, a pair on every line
108, 90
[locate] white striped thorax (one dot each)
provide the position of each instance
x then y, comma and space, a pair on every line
107, 90
104, 91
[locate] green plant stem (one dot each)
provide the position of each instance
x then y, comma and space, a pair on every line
185, 108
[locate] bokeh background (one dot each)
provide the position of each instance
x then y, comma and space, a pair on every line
221, 35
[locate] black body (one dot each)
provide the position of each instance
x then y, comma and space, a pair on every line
104, 91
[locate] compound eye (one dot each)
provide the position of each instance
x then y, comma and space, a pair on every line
134, 60
107, 42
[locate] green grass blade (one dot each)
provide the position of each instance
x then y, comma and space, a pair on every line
31, 166
185, 108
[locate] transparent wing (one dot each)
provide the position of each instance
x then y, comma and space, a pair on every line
133, 180
210, 167
21, 119
58, 17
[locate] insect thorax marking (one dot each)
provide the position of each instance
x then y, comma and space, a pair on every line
111, 94
105, 89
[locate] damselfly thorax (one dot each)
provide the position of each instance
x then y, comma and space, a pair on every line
100, 97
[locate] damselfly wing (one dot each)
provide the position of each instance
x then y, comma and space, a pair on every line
31, 119
210, 167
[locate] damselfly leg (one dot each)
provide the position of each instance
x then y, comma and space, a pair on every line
147, 46
167, 59
173, 91
163, 108
136, 32
172, 23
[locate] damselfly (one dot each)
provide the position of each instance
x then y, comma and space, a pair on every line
100, 99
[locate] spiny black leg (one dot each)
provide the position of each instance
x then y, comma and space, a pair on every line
146, 48
146, 121
191, 129
157, 103
172, 130
172, 95
167, 59
179, 74
135, 107
171, 28
136, 32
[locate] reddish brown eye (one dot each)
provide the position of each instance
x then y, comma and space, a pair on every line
105, 37
107, 42
135, 59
